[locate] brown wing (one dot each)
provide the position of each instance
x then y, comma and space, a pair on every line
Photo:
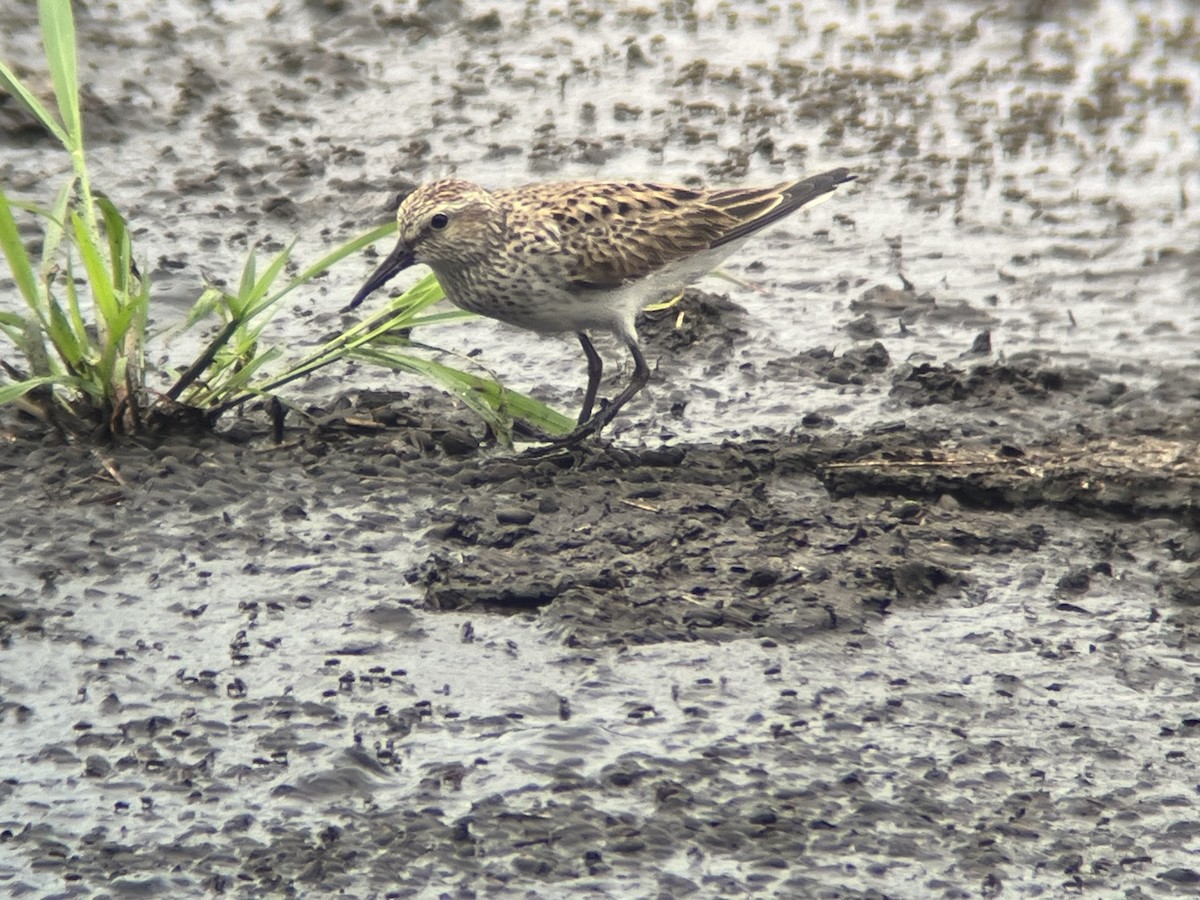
755, 209
607, 233
611, 233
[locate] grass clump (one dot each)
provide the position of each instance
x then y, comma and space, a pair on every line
82, 335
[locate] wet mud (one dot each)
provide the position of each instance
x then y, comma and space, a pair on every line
887, 585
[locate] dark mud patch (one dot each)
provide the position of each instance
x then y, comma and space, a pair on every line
722, 542
1026, 379
709, 543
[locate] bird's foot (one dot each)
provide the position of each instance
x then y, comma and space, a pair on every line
555, 444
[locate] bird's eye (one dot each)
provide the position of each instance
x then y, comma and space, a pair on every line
439, 221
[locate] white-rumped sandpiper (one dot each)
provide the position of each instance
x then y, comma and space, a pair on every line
581, 256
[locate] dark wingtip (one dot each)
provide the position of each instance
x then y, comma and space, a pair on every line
815, 186
834, 177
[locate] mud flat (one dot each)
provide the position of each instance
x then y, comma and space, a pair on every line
886, 586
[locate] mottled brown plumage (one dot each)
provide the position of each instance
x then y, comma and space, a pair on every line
580, 256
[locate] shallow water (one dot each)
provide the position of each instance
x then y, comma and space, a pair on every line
232, 674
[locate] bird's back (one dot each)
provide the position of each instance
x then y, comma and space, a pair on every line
589, 254
611, 233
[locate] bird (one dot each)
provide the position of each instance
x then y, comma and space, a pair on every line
581, 256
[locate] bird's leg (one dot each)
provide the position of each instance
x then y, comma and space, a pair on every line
641, 376
595, 367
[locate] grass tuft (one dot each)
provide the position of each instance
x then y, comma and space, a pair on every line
81, 363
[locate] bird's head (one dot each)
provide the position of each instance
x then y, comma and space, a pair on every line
443, 224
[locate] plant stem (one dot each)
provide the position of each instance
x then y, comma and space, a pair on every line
331, 352
196, 369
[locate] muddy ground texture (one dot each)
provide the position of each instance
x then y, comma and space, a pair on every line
878, 589
800, 664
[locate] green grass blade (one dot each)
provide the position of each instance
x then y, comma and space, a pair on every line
236, 342
74, 313
255, 304
204, 307
113, 357
56, 219
488, 398
18, 389
451, 315
58, 37
425, 292
237, 304
72, 348
18, 259
239, 379
452, 380
337, 255
107, 306
399, 310
16, 88
398, 314
31, 208
120, 250
347, 249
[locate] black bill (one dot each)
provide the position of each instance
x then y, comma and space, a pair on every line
398, 260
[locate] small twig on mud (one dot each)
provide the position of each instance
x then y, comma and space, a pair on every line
637, 505
724, 612
921, 463
108, 499
360, 422
111, 468
273, 447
